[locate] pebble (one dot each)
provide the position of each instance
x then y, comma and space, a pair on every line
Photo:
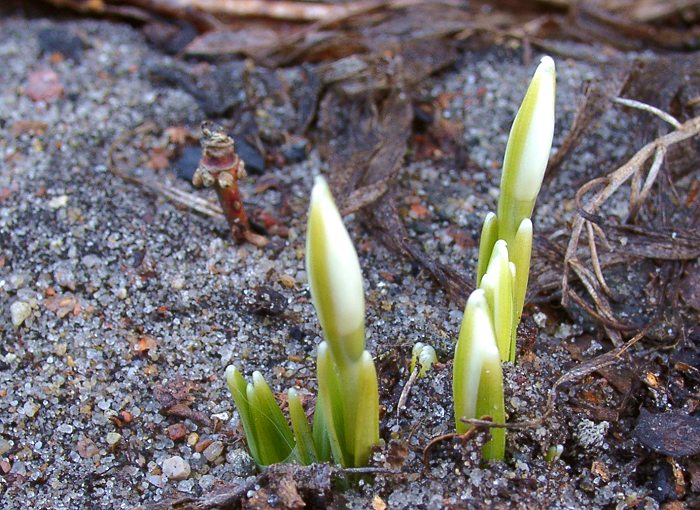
177, 431
157, 480
207, 482
241, 463
58, 202
213, 451
113, 438
5, 446
65, 428
44, 85
20, 312
202, 445
221, 416
87, 448
176, 468
64, 276
30, 409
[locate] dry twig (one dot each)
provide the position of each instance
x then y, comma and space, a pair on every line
594, 281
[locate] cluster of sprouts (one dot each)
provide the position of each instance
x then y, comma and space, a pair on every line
489, 328
345, 424
346, 418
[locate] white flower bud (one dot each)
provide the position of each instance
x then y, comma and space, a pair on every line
334, 276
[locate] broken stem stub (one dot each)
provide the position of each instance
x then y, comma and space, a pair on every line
220, 168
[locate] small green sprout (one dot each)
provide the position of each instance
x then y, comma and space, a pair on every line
554, 453
498, 288
348, 394
270, 439
524, 164
346, 419
493, 311
477, 386
422, 355
527, 152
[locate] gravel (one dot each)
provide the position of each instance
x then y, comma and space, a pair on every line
108, 293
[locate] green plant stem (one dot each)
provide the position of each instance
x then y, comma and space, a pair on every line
511, 213
306, 451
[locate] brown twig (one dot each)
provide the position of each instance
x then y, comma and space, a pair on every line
483, 423
406, 391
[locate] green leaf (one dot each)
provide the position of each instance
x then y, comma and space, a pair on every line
520, 256
237, 386
330, 398
527, 151
477, 378
335, 278
490, 403
367, 412
320, 434
476, 329
275, 439
424, 356
302, 432
489, 236
498, 286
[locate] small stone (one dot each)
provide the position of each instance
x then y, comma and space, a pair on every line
221, 416
18, 280
5, 446
202, 445
20, 312
58, 202
65, 428
44, 85
157, 480
192, 439
186, 486
288, 281
64, 276
113, 438
177, 431
30, 409
213, 451
19, 468
241, 463
87, 448
207, 482
91, 261
176, 468
122, 293
177, 283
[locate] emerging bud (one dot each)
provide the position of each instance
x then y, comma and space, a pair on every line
335, 278
527, 152
531, 136
422, 355
478, 380
498, 288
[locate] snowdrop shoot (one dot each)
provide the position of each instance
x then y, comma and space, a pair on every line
347, 410
527, 151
